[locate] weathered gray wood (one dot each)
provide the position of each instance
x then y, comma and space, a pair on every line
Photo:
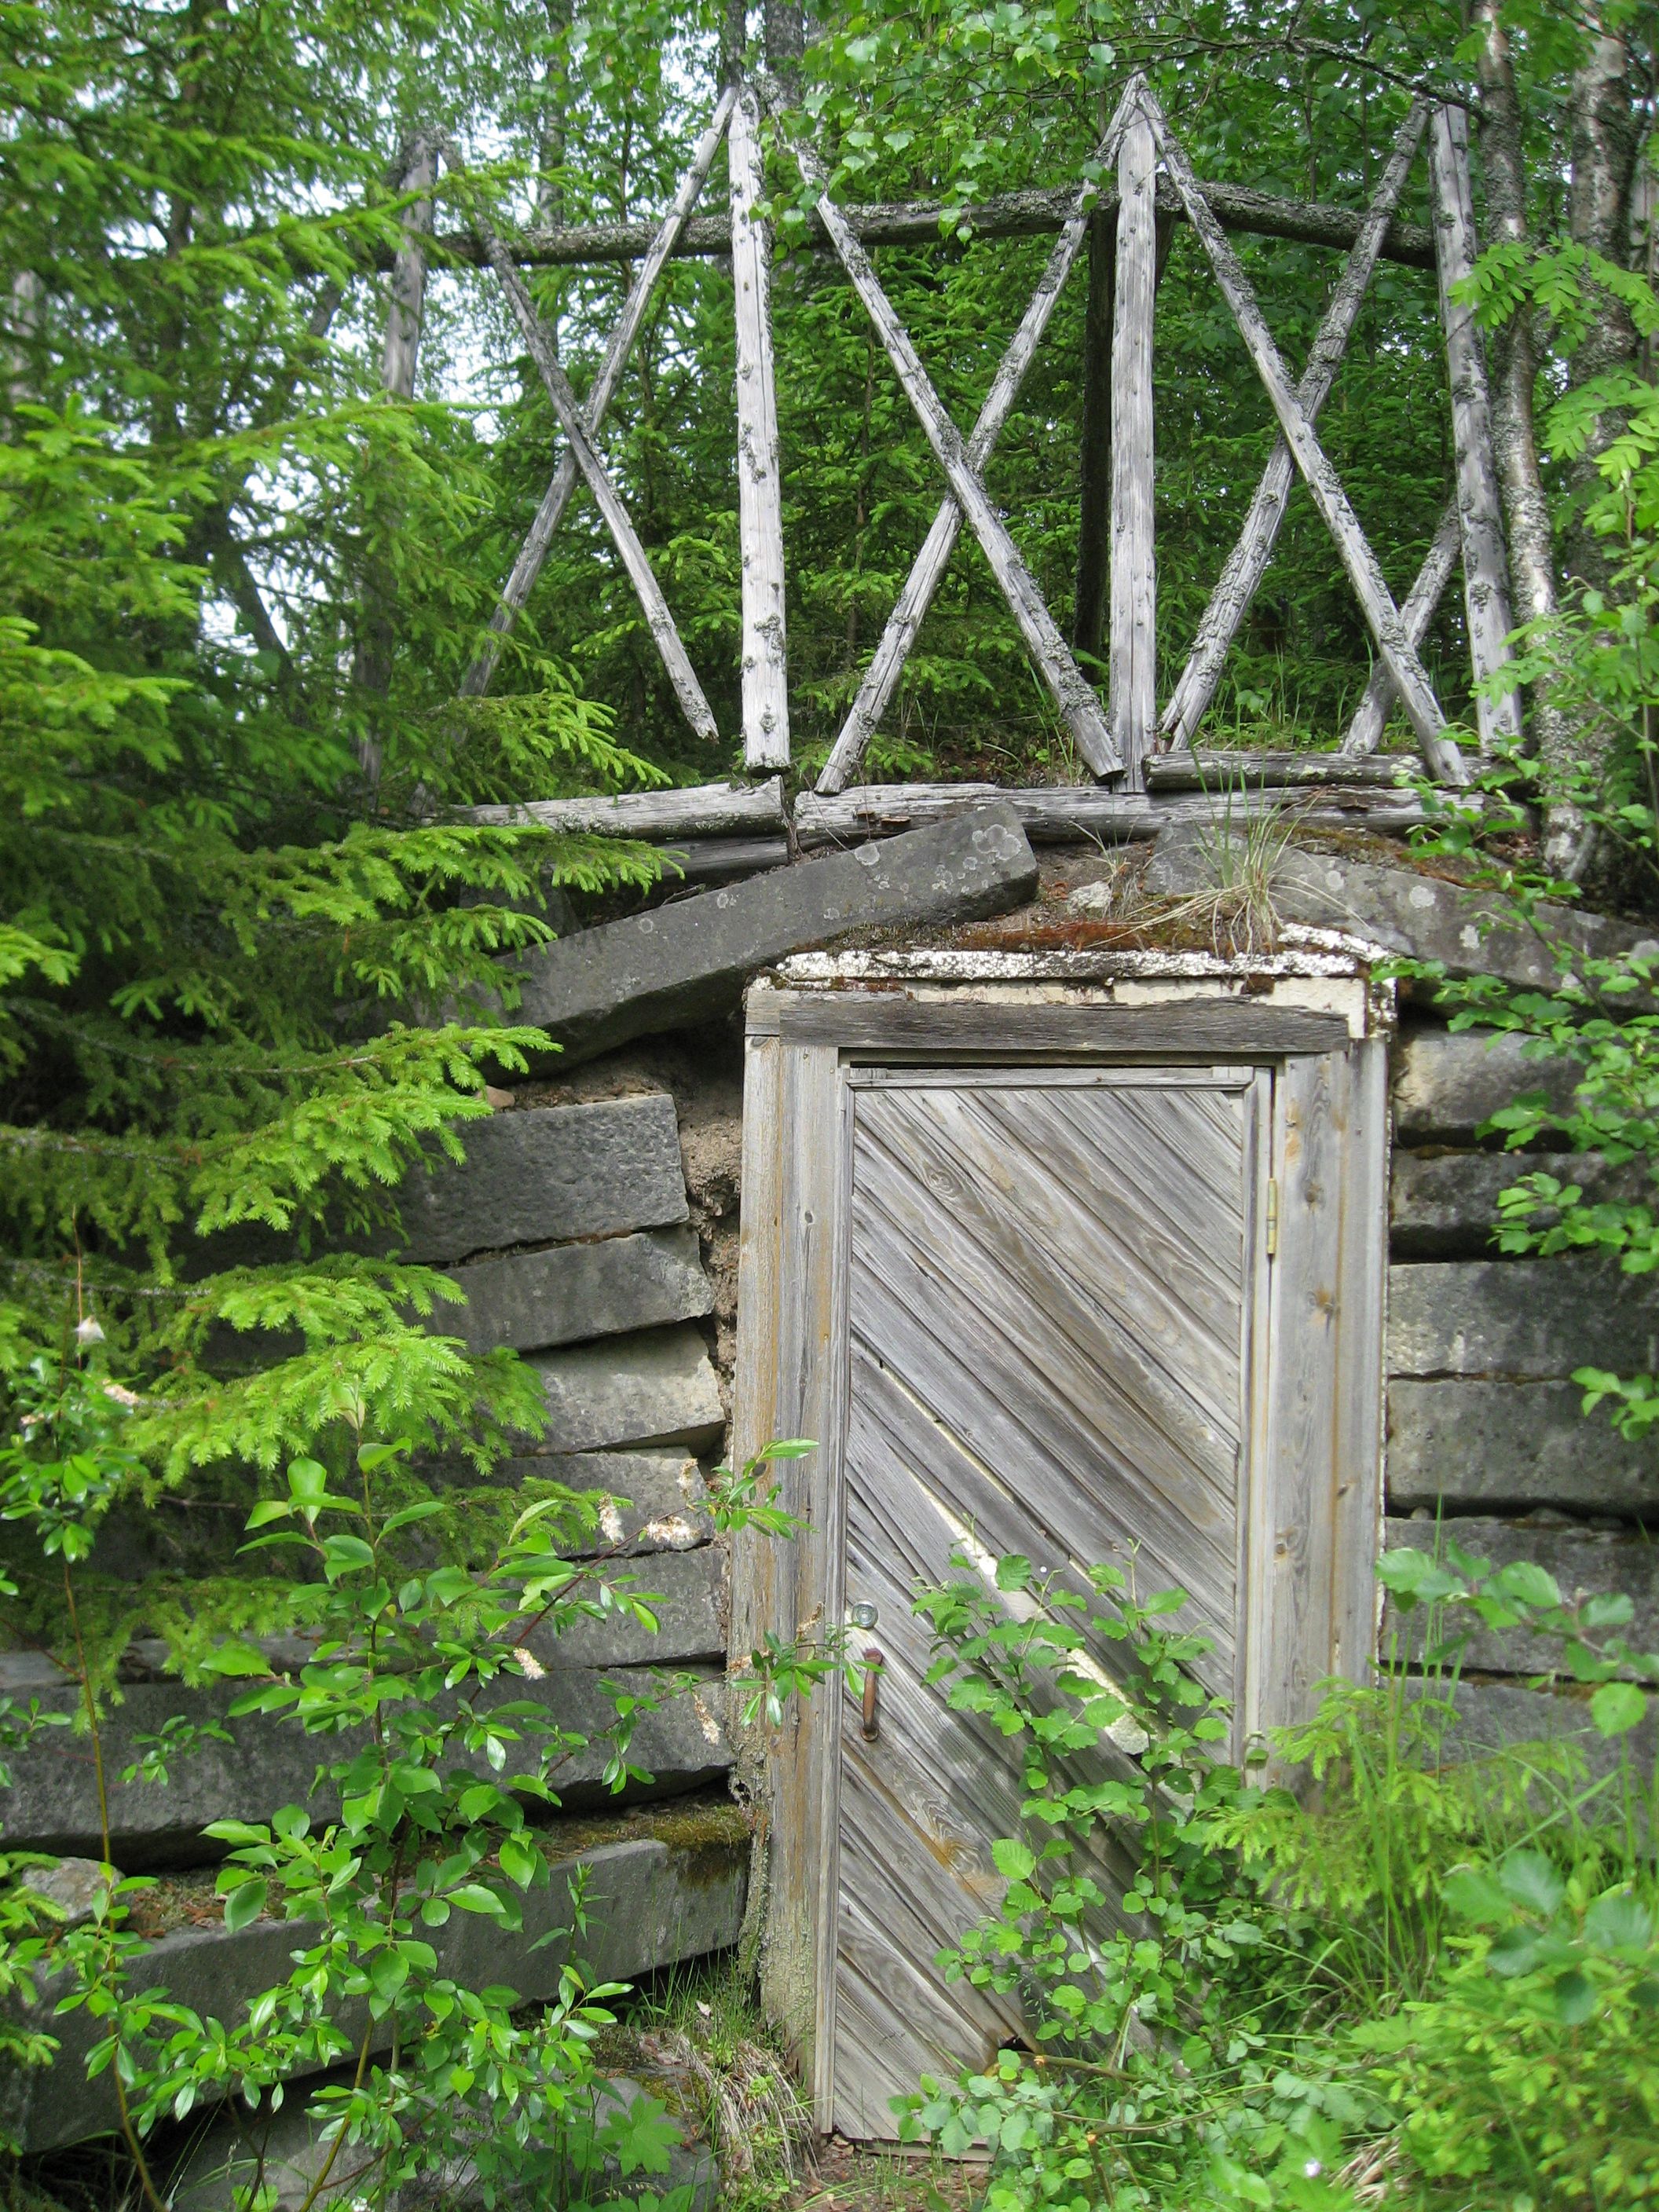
760, 491
1069, 814
1293, 1518
818, 1957
1447, 1082
1246, 564
1510, 1446
1361, 1204
659, 818
1033, 212
539, 341
1485, 577
1364, 732
534, 1300
1443, 1206
1075, 701
702, 859
655, 1387
1583, 1561
1220, 769
881, 678
663, 245
1131, 692
542, 1172
892, 1022
1520, 1318
1031, 1366
687, 962
1324, 485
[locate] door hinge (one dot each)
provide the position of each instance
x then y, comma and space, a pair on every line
1273, 1217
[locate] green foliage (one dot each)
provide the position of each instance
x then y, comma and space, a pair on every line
1415, 1963
434, 1764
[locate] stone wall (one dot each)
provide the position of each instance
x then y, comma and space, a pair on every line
1486, 1441
593, 1230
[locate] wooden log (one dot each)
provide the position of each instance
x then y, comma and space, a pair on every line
1078, 708
760, 494
704, 810
1216, 770
1364, 732
927, 571
1247, 561
1066, 814
1324, 485
663, 245
1131, 692
1486, 571
704, 860
1094, 535
539, 341
1035, 212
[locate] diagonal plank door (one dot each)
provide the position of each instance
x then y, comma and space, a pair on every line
1049, 1313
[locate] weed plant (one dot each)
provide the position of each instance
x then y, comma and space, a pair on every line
1427, 1975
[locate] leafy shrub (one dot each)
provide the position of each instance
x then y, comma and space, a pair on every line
1423, 1972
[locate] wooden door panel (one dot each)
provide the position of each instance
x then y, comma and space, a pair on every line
1046, 1313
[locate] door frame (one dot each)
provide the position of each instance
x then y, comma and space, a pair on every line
1314, 1502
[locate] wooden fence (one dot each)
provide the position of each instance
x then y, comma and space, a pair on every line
1140, 174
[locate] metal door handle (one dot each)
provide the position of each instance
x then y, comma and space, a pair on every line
873, 1663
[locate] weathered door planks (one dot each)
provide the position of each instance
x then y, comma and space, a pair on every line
837, 1272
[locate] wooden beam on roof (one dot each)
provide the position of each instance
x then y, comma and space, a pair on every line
1035, 213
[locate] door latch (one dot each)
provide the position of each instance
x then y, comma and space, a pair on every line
869, 1722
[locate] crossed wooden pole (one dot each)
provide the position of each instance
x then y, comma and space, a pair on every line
1115, 740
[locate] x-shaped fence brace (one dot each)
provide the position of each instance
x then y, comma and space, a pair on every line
1113, 741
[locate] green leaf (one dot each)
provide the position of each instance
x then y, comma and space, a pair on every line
473, 1897
1013, 1860
1618, 1922
1618, 1707
1530, 1880
1574, 1994
245, 1903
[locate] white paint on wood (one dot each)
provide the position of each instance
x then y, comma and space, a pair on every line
1324, 485
1247, 561
619, 346
760, 494
1131, 688
539, 340
1486, 576
1364, 732
1078, 708
881, 678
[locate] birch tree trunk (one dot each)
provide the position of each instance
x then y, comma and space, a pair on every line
1604, 143
1528, 531
399, 358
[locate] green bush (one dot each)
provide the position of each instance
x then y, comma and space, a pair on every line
1422, 1970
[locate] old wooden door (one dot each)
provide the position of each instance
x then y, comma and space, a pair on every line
1059, 1273
1052, 1282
